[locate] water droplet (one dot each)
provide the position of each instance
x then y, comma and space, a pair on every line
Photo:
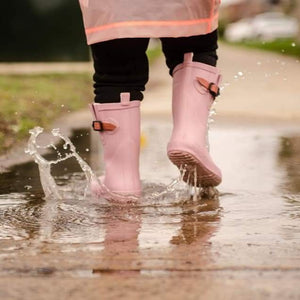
87, 149
28, 187
55, 131
293, 44
240, 73
212, 112
62, 105
235, 77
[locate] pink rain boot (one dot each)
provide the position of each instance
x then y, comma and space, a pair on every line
195, 85
119, 128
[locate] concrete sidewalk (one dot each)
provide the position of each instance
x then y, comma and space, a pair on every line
44, 68
256, 85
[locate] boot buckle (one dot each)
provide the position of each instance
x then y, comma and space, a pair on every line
212, 88
98, 126
103, 126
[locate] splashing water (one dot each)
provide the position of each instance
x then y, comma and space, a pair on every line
51, 189
48, 183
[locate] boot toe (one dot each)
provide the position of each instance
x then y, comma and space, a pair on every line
99, 189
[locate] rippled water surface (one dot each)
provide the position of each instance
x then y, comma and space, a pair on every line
254, 219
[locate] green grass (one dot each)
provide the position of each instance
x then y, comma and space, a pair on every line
153, 54
31, 100
283, 46
37, 100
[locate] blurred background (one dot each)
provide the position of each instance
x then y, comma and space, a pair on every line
37, 30
265, 24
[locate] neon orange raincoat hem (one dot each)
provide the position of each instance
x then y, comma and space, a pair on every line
176, 18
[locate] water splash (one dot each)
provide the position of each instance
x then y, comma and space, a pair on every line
48, 183
169, 188
53, 190
212, 113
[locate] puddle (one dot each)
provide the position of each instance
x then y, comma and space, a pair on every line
258, 206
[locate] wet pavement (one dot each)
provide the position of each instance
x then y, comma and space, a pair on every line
242, 244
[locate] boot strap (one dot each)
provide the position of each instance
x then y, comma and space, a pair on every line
102, 126
213, 89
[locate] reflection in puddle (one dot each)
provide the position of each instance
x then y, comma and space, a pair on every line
26, 216
198, 221
289, 160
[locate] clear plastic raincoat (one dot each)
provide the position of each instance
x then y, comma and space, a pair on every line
112, 19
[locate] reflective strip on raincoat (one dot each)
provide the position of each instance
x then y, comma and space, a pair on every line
112, 19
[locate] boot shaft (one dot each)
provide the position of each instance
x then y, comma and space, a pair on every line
121, 146
191, 100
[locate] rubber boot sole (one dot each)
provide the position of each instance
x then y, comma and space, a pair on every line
193, 171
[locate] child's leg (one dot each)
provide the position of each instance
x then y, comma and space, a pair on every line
121, 72
192, 61
204, 48
121, 65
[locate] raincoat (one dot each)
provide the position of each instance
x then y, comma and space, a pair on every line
112, 19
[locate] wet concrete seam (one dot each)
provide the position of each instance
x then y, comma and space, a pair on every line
11, 272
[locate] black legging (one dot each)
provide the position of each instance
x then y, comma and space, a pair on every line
121, 65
